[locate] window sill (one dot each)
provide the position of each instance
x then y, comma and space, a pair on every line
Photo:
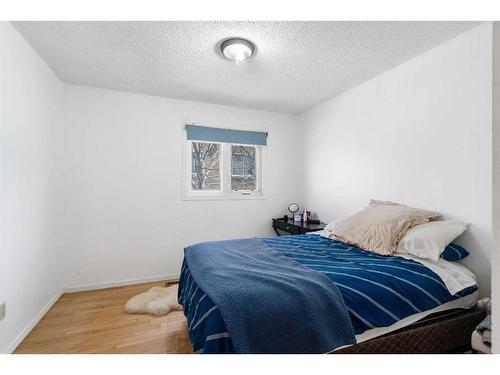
225, 197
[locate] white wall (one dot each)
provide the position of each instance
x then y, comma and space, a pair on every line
126, 216
495, 282
418, 134
30, 192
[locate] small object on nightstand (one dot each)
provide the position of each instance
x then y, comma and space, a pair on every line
296, 227
293, 208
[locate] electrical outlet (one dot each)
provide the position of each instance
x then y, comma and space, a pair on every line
3, 310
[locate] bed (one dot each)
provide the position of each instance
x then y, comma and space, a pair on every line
383, 297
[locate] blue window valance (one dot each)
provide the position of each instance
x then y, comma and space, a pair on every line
204, 133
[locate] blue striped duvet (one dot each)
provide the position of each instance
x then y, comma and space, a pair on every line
378, 291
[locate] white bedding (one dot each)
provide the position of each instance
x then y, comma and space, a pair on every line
455, 276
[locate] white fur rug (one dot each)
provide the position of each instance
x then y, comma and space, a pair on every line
156, 301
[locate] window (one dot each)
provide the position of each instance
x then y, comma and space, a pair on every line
205, 166
221, 170
243, 168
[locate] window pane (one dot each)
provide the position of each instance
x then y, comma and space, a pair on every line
205, 166
243, 168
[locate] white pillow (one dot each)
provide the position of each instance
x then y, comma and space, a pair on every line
430, 239
332, 224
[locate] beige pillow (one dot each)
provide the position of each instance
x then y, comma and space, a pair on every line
381, 226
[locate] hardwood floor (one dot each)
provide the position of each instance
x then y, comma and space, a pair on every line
94, 322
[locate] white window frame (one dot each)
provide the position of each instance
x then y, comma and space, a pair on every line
225, 167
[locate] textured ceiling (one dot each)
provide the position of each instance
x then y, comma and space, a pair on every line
297, 64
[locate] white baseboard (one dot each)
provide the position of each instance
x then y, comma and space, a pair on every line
113, 284
33, 323
81, 288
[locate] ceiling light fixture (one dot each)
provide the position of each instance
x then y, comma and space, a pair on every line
237, 49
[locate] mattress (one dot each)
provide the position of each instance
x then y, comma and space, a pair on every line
380, 293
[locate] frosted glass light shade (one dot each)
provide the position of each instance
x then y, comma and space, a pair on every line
237, 49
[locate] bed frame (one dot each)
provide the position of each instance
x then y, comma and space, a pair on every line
446, 332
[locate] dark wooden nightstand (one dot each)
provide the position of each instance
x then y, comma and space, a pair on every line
295, 227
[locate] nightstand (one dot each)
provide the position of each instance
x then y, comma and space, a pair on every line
295, 227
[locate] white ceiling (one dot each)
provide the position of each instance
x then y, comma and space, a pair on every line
297, 64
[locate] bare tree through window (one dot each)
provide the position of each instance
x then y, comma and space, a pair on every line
205, 170
243, 168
